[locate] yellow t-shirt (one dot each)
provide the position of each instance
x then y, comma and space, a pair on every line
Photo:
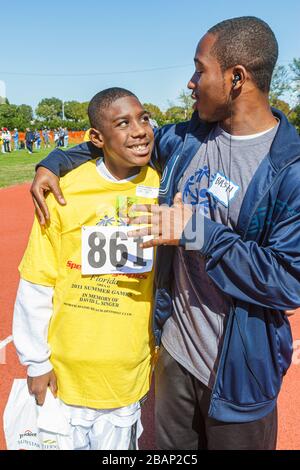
100, 333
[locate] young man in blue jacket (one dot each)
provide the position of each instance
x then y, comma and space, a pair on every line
226, 341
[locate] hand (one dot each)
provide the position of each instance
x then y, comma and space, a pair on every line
43, 182
167, 223
37, 386
289, 313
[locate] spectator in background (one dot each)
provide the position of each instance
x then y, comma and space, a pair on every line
29, 139
45, 134
66, 137
6, 136
37, 139
1, 143
61, 134
56, 137
16, 139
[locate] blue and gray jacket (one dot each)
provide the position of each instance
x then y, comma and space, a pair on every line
258, 265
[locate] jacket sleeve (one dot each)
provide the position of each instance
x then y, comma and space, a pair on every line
169, 139
263, 275
60, 162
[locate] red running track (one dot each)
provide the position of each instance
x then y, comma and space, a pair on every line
16, 215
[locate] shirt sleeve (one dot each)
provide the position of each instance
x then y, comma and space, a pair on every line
32, 313
41, 259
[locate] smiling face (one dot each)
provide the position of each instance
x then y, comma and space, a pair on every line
209, 83
126, 136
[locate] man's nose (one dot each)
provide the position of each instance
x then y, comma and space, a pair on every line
193, 81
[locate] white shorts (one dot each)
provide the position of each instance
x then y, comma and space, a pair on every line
112, 429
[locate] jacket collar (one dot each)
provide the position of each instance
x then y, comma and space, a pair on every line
286, 144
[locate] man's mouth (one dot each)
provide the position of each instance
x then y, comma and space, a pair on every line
196, 98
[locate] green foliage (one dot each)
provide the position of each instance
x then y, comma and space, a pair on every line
187, 102
281, 83
176, 114
295, 69
76, 111
282, 106
49, 109
155, 113
295, 117
49, 112
12, 116
7, 114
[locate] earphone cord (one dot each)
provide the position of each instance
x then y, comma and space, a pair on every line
230, 148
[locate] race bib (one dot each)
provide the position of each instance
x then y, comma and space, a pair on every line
223, 189
108, 250
147, 192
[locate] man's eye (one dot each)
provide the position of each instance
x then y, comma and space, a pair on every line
146, 118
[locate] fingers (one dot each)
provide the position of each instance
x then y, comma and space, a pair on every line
153, 208
144, 219
142, 232
39, 213
39, 201
178, 200
289, 313
38, 389
43, 182
152, 243
37, 386
55, 189
53, 384
40, 396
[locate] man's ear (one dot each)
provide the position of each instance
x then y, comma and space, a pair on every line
96, 138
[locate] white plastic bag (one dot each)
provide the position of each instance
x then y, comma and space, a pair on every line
28, 426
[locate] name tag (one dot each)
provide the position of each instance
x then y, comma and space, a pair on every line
108, 250
147, 192
223, 189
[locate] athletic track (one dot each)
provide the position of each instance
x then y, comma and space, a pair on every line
16, 214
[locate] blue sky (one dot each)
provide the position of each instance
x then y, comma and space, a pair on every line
67, 37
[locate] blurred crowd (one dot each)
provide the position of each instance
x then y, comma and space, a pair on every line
32, 139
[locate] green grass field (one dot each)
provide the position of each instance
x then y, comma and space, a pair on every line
18, 167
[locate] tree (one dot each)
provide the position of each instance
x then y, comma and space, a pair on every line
49, 109
75, 111
25, 112
175, 114
155, 113
12, 116
282, 106
187, 102
295, 69
295, 117
281, 83
8, 113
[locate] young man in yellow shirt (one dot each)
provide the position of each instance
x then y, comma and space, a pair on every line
82, 319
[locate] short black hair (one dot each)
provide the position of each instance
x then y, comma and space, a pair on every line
250, 42
103, 100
